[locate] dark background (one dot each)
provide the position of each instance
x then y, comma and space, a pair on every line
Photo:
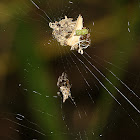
31, 61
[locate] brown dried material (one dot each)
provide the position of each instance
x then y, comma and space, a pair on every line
63, 29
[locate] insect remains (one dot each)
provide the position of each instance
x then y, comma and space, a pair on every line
71, 33
64, 86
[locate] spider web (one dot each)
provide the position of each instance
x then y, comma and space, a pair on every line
105, 101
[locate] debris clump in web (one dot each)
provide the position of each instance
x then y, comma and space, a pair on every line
71, 33
64, 86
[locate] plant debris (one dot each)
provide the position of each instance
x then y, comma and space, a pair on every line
71, 33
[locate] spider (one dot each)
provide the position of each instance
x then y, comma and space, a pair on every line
64, 86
